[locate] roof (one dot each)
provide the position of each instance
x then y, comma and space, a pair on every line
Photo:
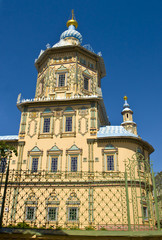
114, 131
10, 137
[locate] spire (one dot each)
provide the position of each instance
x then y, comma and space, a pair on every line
72, 21
127, 113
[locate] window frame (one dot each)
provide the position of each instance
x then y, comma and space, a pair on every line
85, 76
34, 214
74, 152
52, 220
87, 83
48, 126
71, 124
54, 152
43, 116
109, 150
34, 154
60, 80
108, 167
59, 73
33, 170
77, 214
69, 114
76, 166
54, 158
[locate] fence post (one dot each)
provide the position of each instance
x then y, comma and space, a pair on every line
4, 193
127, 199
155, 197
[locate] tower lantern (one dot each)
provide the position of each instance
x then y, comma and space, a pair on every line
127, 113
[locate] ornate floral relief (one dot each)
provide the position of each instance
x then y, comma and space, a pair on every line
33, 114
83, 111
52, 79
58, 113
72, 73
83, 125
80, 78
93, 84
32, 128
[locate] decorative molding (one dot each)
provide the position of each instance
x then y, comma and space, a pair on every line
32, 124
83, 111
83, 121
74, 149
35, 151
33, 114
55, 150
62, 68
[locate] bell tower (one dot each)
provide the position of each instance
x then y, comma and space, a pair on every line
127, 113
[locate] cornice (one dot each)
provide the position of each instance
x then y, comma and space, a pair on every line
140, 141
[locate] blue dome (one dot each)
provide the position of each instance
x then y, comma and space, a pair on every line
71, 32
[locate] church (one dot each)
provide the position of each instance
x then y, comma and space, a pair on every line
74, 169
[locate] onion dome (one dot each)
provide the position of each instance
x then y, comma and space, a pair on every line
71, 32
126, 106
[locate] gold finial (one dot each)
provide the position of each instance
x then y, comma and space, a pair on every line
125, 98
72, 21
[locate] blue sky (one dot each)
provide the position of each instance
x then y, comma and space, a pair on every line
129, 35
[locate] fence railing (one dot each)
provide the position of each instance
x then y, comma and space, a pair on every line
79, 200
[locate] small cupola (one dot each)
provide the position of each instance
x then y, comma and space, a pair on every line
127, 113
71, 35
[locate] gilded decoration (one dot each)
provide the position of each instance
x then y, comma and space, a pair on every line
33, 114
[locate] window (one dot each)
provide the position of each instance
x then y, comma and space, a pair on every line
54, 163
3, 165
72, 213
110, 162
86, 83
46, 126
110, 158
74, 161
61, 80
91, 65
68, 127
145, 213
52, 213
83, 61
34, 165
30, 213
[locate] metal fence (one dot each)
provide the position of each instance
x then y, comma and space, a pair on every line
81, 200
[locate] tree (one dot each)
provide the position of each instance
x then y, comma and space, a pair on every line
5, 148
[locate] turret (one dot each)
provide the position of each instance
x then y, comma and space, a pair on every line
127, 113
